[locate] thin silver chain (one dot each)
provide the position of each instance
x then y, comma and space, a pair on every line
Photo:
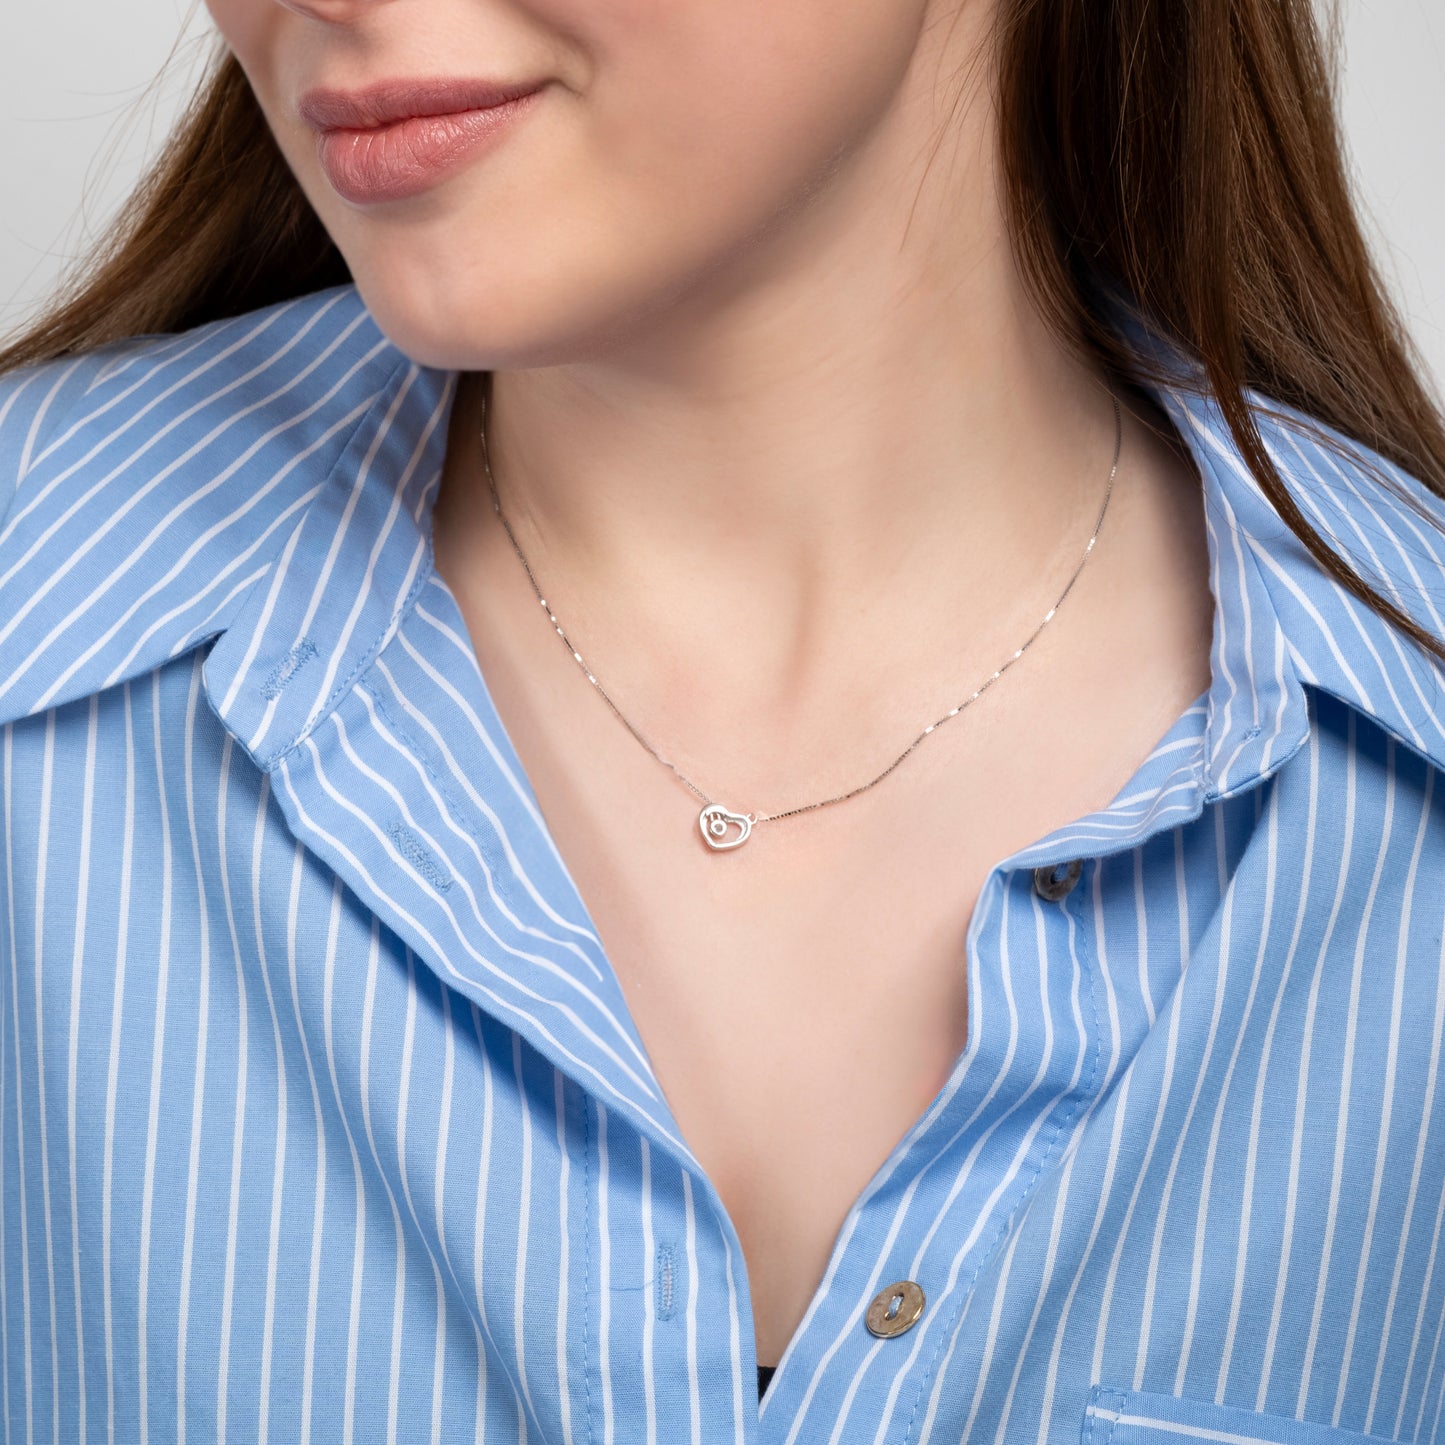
863, 788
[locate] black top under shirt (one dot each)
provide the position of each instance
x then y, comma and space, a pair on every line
765, 1378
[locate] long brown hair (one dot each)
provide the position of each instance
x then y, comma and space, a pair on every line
1184, 151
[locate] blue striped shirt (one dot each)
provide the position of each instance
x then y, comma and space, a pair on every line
323, 1118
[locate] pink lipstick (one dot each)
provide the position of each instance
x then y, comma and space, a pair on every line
398, 138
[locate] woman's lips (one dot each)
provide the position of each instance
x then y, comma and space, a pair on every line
407, 156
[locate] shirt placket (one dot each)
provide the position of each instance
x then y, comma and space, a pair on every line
412, 794
910, 1250
1045, 1042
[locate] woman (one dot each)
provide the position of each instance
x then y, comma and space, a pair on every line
992, 975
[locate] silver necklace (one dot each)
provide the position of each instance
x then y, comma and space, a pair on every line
716, 822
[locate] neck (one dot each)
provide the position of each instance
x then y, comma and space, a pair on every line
860, 450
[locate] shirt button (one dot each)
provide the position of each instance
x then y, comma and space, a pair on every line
895, 1309
1057, 881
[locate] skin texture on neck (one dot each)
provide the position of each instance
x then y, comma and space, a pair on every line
852, 463
787, 503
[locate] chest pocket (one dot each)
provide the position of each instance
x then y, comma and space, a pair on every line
1133, 1417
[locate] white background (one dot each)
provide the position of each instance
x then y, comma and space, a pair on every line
81, 106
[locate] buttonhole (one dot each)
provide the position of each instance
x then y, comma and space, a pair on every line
288, 667
420, 858
893, 1307
664, 1276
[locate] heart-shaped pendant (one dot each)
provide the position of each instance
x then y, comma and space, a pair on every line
715, 821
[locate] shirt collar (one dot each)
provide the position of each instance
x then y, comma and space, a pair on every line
163, 498
1283, 621
265, 483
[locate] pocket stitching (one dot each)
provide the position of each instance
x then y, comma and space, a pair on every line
1103, 1400
1115, 1402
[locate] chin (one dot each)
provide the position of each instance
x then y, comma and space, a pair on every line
482, 324
485, 313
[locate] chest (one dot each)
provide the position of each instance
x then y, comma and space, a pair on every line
798, 1020
804, 998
